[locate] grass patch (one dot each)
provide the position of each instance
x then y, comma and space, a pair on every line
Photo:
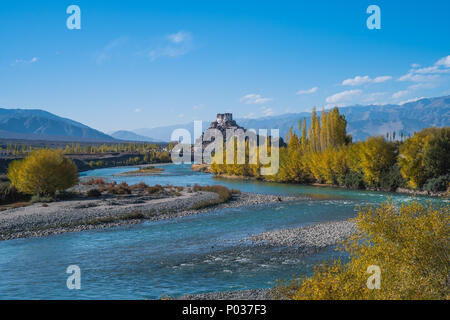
145, 170
41, 198
224, 194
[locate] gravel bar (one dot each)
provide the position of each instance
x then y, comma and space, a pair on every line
84, 214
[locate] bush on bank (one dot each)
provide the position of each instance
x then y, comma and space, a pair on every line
410, 244
43, 172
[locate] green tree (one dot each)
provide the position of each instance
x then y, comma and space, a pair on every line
437, 155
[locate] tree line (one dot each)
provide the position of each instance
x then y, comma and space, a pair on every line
324, 153
22, 149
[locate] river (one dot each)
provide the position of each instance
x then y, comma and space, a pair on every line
194, 254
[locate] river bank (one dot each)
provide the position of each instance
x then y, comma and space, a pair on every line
80, 214
412, 192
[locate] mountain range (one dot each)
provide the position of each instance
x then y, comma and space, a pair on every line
362, 122
131, 136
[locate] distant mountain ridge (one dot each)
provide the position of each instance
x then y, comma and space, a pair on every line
35, 124
131, 136
362, 121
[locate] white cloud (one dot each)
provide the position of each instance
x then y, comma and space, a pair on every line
381, 79
445, 61
251, 115
267, 111
254, 99
374, 97
417, 77
442, 66
107, 51
24, 62
180, 36
432, 70
422, 85
360, 80
309, 91
343, 96
356, 81
137, 110
411, 100
173, 45
400, 94
415, 65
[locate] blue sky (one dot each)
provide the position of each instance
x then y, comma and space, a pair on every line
137, 64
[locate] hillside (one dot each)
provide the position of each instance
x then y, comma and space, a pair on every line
362, 121
43, 125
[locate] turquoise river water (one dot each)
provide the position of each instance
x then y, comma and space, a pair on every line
194, 254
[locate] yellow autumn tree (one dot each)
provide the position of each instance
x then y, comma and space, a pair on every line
412, 157
376, 156
43, 172
407, 246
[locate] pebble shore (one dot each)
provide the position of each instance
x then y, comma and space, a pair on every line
307, 240
85, 214
255, 294
289, 242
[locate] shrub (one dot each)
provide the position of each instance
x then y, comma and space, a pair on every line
139, 186
155, 189
43, 172
437, 184
93, 193
224, 194
122, 188
96, 181
410, 244
42, 198
64, 195
353, 180
391, 179
10, 194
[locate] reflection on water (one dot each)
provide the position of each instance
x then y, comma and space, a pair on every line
192, 254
